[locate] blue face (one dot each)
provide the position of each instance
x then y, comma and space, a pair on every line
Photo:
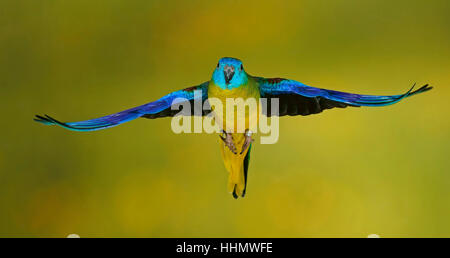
229, 73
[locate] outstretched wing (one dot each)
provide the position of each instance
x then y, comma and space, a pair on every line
296, 98
155, 109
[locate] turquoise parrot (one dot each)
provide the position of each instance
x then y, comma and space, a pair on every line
230, 81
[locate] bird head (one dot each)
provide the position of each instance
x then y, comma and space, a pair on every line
229, 73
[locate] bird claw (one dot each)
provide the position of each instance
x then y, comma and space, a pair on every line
248, 141
228, 140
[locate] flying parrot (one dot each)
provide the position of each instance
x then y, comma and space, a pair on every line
230, 80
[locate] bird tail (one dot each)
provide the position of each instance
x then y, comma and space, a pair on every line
237, 167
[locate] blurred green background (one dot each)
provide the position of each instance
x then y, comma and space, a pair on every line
343, 173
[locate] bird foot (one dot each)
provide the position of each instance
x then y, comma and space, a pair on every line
248, 140
228, 140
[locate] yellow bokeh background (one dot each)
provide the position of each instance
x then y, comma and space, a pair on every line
343, 173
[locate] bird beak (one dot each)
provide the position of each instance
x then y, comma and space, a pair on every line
228, 72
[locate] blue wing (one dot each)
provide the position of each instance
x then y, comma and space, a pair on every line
155, 109
299, 99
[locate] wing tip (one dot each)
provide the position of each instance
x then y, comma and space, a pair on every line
424, 88
48, 120
44, 120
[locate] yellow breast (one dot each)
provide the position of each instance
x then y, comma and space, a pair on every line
235, 109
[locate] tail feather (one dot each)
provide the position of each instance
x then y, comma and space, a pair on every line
246, 163
237, 167
235, 196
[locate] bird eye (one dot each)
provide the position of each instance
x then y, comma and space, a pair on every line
242, 67
217, 65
